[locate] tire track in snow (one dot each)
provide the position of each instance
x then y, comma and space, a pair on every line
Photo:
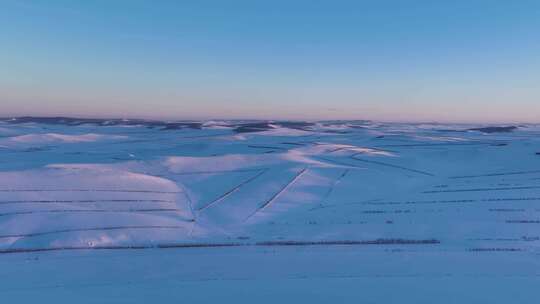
233, 190
495, 174
444, 202
82, 201
36, 234
340, 163
481, 189
87, 211
91, 190
391, 165
277, 194
334, 184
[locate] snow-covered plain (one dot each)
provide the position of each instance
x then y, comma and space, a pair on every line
132, 211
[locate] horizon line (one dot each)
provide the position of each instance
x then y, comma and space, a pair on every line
83, 117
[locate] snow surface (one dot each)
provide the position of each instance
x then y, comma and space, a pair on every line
268, 212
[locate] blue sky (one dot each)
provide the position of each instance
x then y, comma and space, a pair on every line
458, 61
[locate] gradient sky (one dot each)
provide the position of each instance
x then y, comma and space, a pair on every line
459, 61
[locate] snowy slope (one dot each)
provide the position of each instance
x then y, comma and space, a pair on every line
127, 211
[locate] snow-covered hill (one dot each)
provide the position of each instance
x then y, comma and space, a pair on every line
120, 211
